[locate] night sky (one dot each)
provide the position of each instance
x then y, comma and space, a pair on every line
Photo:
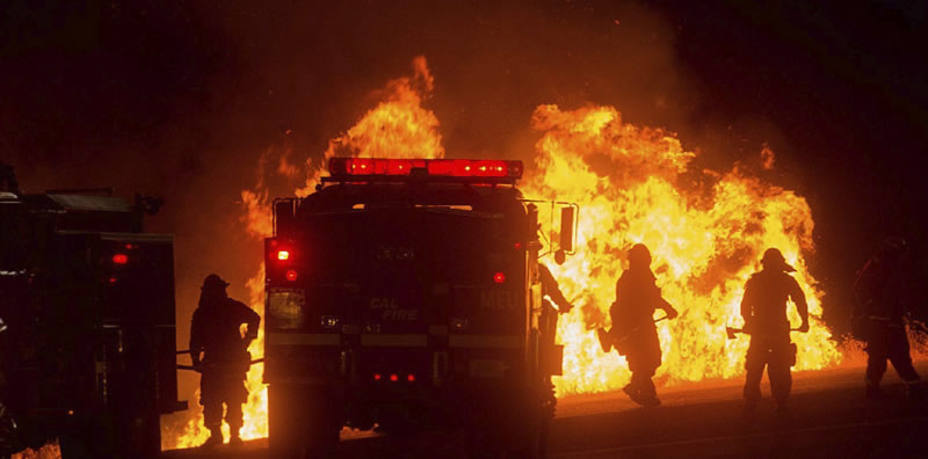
181, 98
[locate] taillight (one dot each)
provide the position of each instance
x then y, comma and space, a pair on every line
458, 323
411, 377
283, 255
394, 377
499, 277
120, 259
292, 275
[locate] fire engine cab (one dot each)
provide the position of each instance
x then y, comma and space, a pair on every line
403, 294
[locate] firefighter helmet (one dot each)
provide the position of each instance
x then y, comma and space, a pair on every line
213, 280
639, 255
773, 259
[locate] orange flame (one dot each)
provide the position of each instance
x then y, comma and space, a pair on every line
51, 450
397, 127
634, 184
705, 231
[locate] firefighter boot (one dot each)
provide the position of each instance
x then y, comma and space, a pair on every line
214, 440
873, 390
605, 341
235, 439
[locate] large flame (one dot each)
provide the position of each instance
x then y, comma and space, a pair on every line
705, 229
706, 232
397, 127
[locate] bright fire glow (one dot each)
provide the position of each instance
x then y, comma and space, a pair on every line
706, 231
398, 127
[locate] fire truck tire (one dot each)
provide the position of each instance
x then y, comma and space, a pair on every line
535, 445
303, 422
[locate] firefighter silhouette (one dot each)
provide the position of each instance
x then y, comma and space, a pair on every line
551, 292
633, 332
551, 289
216, 336
764, 311
879, 316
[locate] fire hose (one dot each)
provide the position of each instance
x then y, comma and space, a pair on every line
200, 368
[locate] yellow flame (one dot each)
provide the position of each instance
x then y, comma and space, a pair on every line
705, 231
397, 127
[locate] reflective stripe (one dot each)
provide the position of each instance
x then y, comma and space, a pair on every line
485, 341
304, 339
378, 340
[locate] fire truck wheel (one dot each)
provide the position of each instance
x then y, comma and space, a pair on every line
303, 422
535, 445
532, 441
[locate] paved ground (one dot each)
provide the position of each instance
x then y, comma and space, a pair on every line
829, 418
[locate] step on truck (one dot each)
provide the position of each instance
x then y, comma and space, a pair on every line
404, 294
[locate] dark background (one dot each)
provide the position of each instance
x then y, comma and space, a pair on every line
182, 98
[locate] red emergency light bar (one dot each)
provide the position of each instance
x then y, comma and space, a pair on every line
346, 167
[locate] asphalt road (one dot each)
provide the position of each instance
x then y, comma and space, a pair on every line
829, 417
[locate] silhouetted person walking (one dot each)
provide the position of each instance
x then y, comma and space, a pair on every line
764, 311
551, 292
879, 316
215, 333
633, 332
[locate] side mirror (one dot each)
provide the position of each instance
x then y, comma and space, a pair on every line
283, 215
568, 222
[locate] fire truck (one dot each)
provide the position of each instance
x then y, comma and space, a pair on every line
87, 351
404, 294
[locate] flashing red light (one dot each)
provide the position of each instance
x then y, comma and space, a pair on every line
499, 277
394, 377
411, 377
292, 275
434, 167
120, 259
283, 255
377, 377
